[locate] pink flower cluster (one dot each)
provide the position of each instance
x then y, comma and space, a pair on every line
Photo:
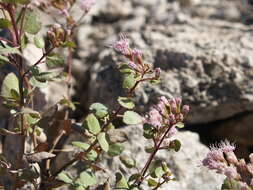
167, 113
134, 56
223, 160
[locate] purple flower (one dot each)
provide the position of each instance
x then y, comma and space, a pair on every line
172, 118
64, 12
154, 118
87, 4
226, 146
164, 100
172, 131
137, 52
231, 172
178, 101
122, 45
132, 65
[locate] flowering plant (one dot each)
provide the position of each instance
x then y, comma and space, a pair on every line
44, 130
223, 160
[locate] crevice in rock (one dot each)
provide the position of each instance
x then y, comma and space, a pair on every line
237, 129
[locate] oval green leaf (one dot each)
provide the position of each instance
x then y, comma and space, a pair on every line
132, 118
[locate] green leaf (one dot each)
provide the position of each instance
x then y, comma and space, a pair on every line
129, 81
29, 174
149, 149
24, 41
124, 68
32, 23
5, 23
65, 178
103, 142
46, 76
87, 179
148, 131
126, 102
154, 172
132, 118
34, 82
175, 145
69, 44
9, 50
127, 161
68, 103
39, 42
99, 110
10, 82
55, 60
77, 186
159, 172
134, 177
115, 149
15, 95
92, 155
152, 182
179, 125
3, 60
30, 111
229, 184
92, 124
121, 182
17, 1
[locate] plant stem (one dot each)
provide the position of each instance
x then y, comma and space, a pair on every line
38, 62
145, 169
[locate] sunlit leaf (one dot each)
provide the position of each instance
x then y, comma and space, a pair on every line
92, 124
132, 118
102, 141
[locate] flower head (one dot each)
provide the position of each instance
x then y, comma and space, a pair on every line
226, 146
154, 118
122, 45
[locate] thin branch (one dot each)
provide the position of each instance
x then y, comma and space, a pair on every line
39, 61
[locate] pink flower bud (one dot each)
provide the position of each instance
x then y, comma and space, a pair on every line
173, 106
231, 172
137, 52
185, 110
164, 100
179, 117
172, 118
64, 12
178, 101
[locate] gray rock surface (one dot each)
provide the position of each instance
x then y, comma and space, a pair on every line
206, 61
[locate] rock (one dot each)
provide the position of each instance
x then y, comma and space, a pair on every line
206, 62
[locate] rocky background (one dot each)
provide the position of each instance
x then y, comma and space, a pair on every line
205, 51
